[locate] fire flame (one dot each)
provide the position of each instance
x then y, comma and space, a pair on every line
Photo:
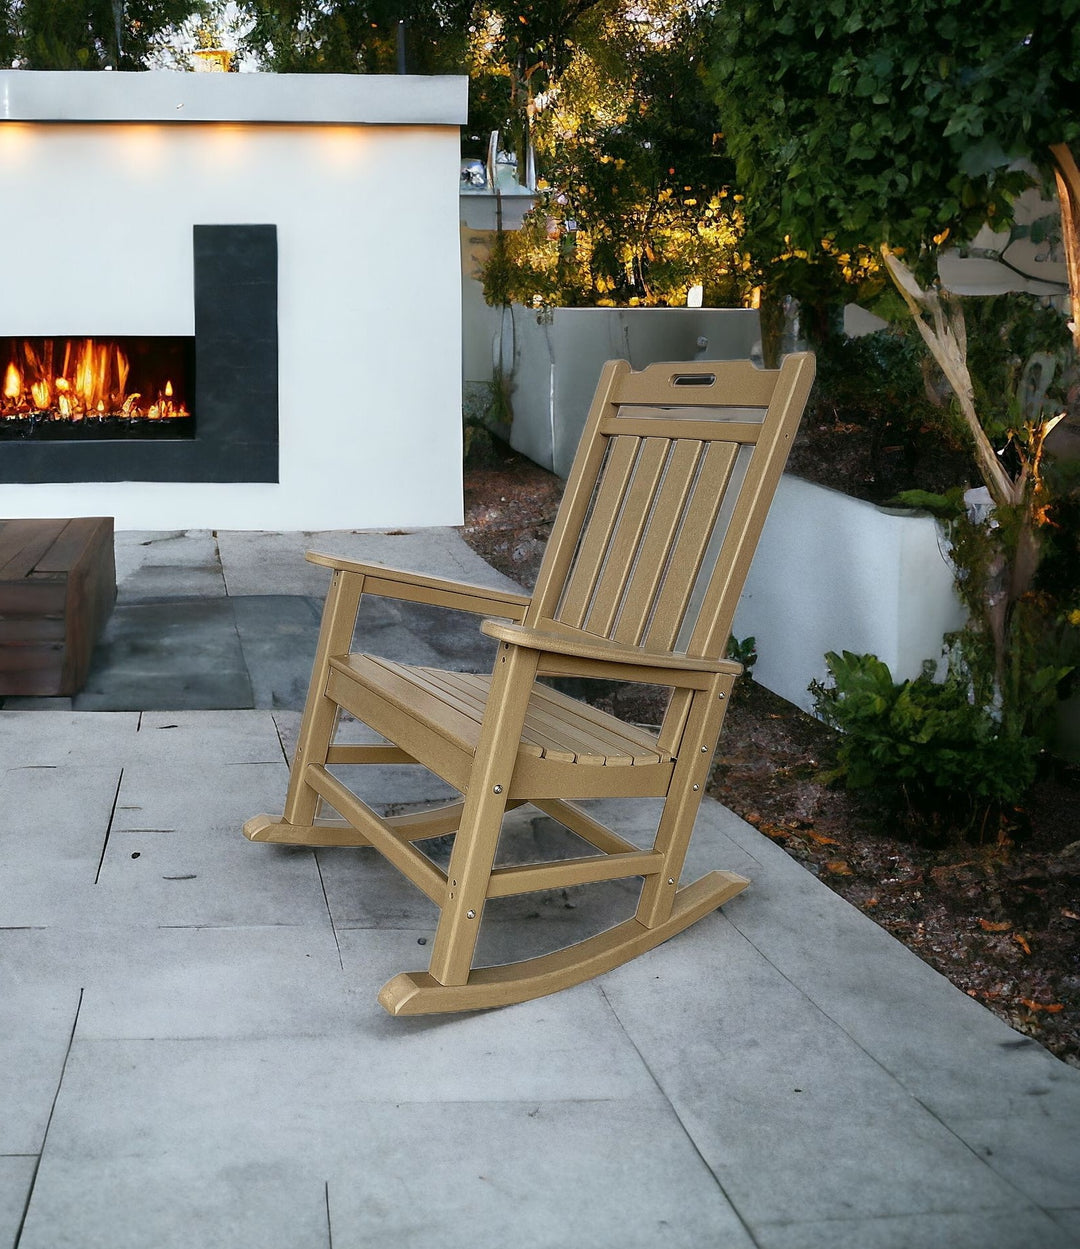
91, 380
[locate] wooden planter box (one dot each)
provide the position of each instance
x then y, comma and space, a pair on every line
57, 587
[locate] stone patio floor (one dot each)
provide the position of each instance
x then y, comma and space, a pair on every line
192, 1056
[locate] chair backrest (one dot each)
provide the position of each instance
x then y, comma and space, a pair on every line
666, 500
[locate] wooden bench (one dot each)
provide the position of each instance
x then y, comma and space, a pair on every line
57, 587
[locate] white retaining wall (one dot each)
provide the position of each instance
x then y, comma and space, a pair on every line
834, 573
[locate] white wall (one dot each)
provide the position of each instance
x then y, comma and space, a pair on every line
96, 221
834, 573
557, 357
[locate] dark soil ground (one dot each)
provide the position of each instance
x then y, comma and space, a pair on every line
1001, 920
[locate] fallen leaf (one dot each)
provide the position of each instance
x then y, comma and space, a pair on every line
1069, 914
989, 926
871, 902
839, 868
1051, 1008
1021, 943
819, 838
775, 831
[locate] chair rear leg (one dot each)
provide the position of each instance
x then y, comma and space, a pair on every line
321, 713
705, 719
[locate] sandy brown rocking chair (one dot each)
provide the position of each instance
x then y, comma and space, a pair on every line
668, 494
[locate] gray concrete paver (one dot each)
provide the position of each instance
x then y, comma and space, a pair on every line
172, 1200
36, 1021
1034, 1149
16, 1176
1022, 1227
174, 738
54, 822
31, 740
840, 958
233, 1082
543, 1174
1069, 1219
142, 982
155, 564
767, 1085
274, 563
178, 653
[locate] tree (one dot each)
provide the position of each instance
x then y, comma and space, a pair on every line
87, 34
635, 203
310, 36
862, 122
512, 51
907, 127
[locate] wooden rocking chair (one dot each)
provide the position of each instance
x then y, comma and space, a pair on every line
668, 494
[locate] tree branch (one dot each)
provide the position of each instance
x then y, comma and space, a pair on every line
1068, 187
947, 342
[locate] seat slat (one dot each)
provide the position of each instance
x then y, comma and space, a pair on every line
556, 727
566, 731
395, 684
535, 731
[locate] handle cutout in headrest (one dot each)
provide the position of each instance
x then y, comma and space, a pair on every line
693, 379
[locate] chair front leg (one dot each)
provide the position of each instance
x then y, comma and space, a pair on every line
320, 713
477, 838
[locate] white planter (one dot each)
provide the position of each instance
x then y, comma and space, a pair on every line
557, 356
834, 573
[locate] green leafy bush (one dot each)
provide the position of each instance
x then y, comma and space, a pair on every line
941, 763
744, 652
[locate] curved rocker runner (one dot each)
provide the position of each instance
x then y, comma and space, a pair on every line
670, 487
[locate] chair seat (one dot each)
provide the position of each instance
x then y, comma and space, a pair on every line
451, 704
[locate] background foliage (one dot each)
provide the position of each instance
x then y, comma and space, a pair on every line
636, 205
88, 34
870, 121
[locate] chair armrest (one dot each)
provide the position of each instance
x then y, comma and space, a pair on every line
583, 646
416, 587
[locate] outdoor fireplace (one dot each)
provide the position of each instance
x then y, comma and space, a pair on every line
281, 251
152, 407
75, 388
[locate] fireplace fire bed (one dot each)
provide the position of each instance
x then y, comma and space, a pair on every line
57, 588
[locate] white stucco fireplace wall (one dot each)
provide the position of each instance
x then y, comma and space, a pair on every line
103, 177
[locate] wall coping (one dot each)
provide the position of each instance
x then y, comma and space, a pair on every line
172, 96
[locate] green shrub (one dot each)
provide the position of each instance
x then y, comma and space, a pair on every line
744, 652
942, 764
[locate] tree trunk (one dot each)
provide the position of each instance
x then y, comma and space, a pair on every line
947, 341
1068, 187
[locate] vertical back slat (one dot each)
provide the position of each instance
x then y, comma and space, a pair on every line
748, 518
619, 564
690, 545
602, 522
663, 525
576, 498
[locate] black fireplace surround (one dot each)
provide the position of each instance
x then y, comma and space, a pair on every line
236, 382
